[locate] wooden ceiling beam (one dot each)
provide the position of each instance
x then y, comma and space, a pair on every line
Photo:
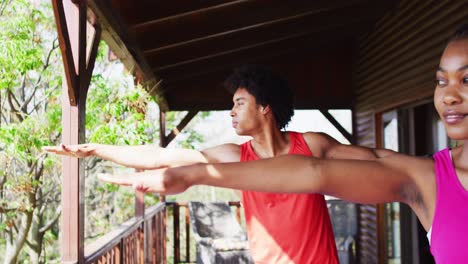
284, 29
233, 16
141, 11
258, 54
207, 91
117, 36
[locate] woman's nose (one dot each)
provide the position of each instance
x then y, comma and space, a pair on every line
452, 95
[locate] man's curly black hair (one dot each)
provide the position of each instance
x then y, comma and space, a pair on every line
268, 89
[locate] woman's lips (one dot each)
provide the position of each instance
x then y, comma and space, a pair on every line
453, 117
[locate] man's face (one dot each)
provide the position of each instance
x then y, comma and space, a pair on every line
246, 114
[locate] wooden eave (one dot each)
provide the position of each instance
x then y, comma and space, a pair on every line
184, 50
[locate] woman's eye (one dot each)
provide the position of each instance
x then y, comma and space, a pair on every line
465, 80
440, 82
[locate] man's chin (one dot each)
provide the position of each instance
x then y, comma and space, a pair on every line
240, 132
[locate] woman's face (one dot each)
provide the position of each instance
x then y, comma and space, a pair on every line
451, 92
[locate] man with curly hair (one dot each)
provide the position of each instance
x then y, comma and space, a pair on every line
282, 228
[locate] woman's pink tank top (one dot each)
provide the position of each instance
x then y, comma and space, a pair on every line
449, 238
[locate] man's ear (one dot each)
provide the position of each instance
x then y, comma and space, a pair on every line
266, 109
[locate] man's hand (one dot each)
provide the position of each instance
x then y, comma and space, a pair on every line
77, 151
156, 181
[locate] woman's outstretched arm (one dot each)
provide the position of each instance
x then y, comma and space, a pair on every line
381, 180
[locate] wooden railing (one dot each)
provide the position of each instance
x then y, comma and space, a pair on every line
143, 239
176, 216
139, 240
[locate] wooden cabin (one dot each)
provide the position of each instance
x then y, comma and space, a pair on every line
376, 58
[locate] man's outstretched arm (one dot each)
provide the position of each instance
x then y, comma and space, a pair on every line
147, 156
324, 146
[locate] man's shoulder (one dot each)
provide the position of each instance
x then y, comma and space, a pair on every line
317, 142
315, 137
223, 153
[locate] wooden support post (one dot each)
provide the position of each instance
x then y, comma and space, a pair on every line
176, 233
162, 129
72, 221
140, 213
381, 232
187, 235
78, 60
139, 204
163, 144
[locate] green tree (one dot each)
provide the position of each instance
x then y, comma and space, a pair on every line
30, 117
119, 113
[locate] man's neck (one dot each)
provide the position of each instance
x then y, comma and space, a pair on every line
270, 143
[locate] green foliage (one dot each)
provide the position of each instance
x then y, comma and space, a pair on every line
30, 117
29, 81
189, 138
116, 113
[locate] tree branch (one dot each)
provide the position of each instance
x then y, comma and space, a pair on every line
41, 100
52, 222
6, 210
93, 163
4, 177
31, 245
36, 85
3, 6
22, 233
21, 88
3, 116
13, 109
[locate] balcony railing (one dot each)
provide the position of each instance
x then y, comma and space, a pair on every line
143, 240
139, 240
184, 218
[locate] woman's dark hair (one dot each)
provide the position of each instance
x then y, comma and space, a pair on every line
268, 89
460, 33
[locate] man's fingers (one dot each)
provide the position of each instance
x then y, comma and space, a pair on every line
61, 149
47, 149
52, 149
66, 148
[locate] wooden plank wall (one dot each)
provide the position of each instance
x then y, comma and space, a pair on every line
395, 65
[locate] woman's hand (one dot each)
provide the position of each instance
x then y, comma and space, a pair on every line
160, 181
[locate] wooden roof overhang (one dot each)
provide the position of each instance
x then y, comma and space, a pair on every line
185, 49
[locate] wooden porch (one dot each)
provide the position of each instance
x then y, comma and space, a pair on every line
367, 56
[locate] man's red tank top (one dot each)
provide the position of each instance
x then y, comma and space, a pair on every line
288, 228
